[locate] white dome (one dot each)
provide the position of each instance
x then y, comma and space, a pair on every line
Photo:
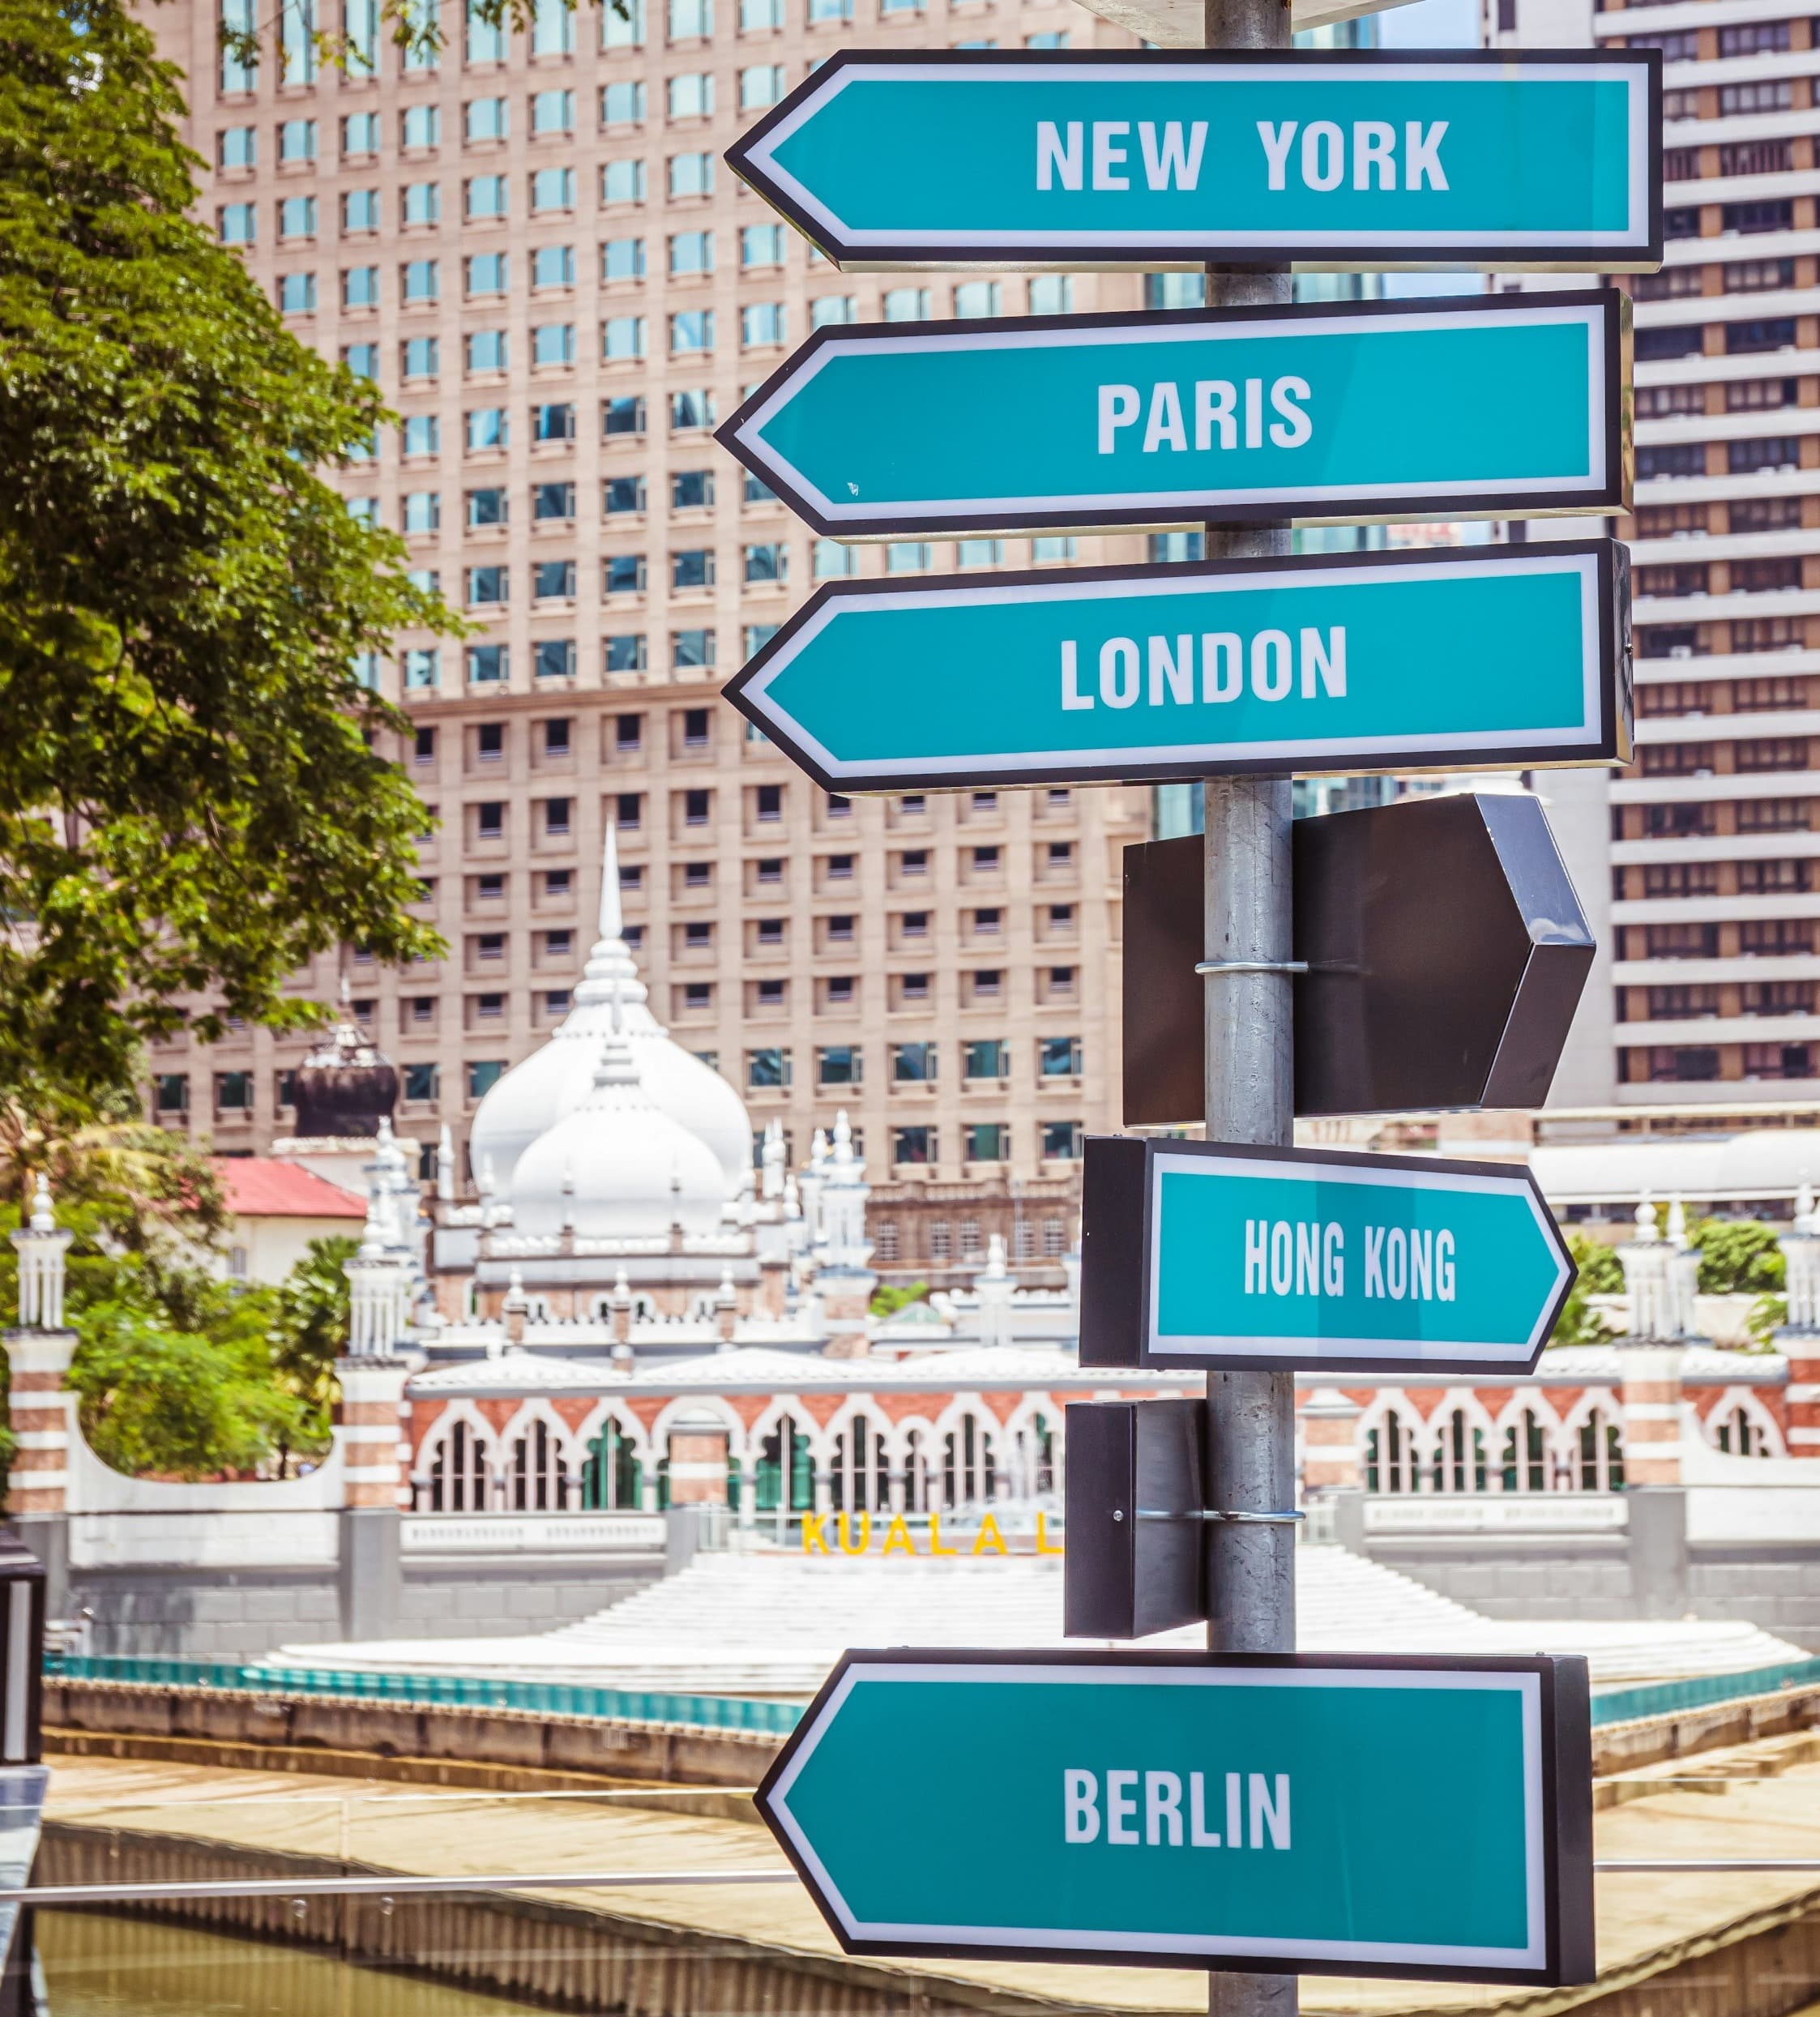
553, 1081
616, 1167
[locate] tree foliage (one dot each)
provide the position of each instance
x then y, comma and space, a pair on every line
312, 1329
1737, 1256
1600, 1274
190, 803
889, 1298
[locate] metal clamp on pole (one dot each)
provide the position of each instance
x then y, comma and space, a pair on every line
1209, 1512
1251, 966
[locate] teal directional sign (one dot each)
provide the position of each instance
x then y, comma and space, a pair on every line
1272, 1814
1500, 405
1087, 158
1349, 663
1205, 1254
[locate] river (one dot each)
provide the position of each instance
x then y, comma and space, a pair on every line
98, 1967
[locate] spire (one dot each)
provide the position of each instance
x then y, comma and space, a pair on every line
612, 918
617, 1067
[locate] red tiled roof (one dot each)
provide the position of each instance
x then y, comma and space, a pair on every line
269, 1187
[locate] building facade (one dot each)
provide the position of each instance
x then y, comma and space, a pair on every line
1697, 863
532, 243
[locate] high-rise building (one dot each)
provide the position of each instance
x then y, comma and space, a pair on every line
1697, 865
531, 243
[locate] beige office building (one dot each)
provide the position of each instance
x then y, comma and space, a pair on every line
533, 246
1697, 863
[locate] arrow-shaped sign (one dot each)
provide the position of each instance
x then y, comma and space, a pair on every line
1349, 663
1499, 406
1275, 1814
1213, 1255
1506, 159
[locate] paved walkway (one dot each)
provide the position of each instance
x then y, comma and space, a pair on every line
377, 1824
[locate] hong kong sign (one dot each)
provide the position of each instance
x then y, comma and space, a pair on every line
1349, 663
1083, 158
1209, 1254
1275, 1813
1502, 405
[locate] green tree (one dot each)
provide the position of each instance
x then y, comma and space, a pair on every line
311, 1332
1737, 1256
193, 802
1600, 1274
888, 1298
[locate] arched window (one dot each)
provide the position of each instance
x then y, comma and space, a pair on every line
1460, 1455
968, 1473
611, 1480
539, 1473
1392, 1463
458, 1472
1525, 1466
1033, 1458
860, 1481
915, 1472
1739, 1436
785, 1475
1601, 1468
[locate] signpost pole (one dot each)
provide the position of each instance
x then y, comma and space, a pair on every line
1251, 1097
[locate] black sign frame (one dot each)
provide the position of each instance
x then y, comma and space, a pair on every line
1198, 509
1566, 1788
1010, 253
1611, 746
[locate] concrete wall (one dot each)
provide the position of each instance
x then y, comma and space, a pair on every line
241, 1614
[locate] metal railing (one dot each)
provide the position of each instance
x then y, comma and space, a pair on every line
475, 1691
1703, 1692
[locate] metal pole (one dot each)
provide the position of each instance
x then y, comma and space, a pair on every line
1250, 1453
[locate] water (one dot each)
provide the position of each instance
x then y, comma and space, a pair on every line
98, 1967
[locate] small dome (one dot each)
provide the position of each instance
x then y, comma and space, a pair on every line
618, 1167
537, 1093
346, 1086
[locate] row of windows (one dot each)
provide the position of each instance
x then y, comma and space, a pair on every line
1747, 38
1743, 395
1742, 458
484, 44
1685, 1004
1749, 338
1744, 577
1703, 1063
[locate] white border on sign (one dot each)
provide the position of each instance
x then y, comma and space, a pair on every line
1635, 232
1311, 1352
1166, 329
1088, 1940
1294, 749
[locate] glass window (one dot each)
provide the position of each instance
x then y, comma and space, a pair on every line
423, 667
553, 421
979, 553
173, 1092
691, 20
296, 294
830, 559
297, 217
422, 280
692, 330
912, 1145
986, 1142
553, 265
690, 410
488, 350
978, 298
487, 664
487, 41
1062, 1141
691, 649
908, 305
623, 182
691, 174
552, 581
761, 244
624, 415
360, 287
692, 252
552, 189
553, 111
238, 146
240, 60
359, 210
622, 104
553, 658
552, 343
1050, 549
692, 567
907, 556
622, 495
828, 309
626, 653
233, 1091
839, 1065
756, 15
489, 584
296, 42
423, 434
421, 203
422, 126
552, 28
622, 259
487, 197
768, 563
487, 119
487, 273
623, 336
552, 501
767, 1071
422, 357
488, 427
764, 85
691, 95
297, 140
483, 1075
360, 135
1058, 1057
622, 30
762, 323
423, 510
1051, 294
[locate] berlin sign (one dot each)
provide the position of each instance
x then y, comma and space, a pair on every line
1494, 406
1272, 1813
1082, 158
1349, 663
1226, 1258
